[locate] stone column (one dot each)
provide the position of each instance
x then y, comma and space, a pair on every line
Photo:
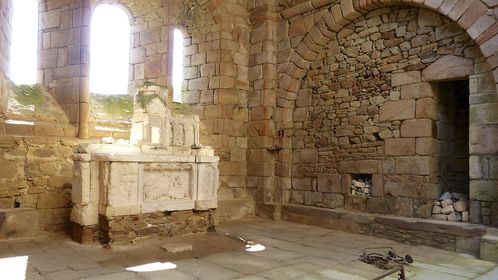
63, 56
5, 37
263, 145
483, 149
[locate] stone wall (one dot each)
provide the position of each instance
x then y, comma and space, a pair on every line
5, 40
153, 225
261, 104
366, 106
37, 173
216, 85
63, 54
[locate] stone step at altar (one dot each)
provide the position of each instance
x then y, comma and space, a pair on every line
489, 245
17, 223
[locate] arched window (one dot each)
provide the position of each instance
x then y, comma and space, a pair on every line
109, 50
24, 48
177, 65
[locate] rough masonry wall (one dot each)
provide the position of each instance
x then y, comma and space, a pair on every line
363, 109
37, 173
5, 40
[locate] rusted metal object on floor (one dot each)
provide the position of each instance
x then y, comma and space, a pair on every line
400, 268
386, 260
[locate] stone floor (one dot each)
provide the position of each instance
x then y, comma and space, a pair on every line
293, 251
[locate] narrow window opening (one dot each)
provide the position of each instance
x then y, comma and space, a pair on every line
24, 48
109, 50
177, 66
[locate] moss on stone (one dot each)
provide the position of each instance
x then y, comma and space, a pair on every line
118, 107
29, 95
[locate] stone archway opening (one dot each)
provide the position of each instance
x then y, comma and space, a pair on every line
452, 149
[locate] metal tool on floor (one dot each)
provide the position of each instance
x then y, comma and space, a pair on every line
386, 258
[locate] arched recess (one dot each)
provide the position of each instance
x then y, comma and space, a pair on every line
474, 19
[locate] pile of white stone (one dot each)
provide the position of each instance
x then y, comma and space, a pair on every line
361, 187
451, 207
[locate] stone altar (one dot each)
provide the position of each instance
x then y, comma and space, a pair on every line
163, 169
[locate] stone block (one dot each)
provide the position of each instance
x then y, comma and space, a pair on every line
404, 189
448, 67
436, 209
329, 183
416, 165
475, 212
484, 113
9, 169
302, 184
489, 248
416, 91
405, 78
460, 206
469, 245
401, 206
417, 128
483, 190
333, 200
426, 108
483, 140
447, 31
446, 202
447, 210
377, 205
377, 185
397, 110
426, 147
359, 167
400, 147
428, 18
355, 203
346, 183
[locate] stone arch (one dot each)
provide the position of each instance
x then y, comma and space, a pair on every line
474, 19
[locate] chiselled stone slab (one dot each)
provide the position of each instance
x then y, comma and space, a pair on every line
449, 67
397, 110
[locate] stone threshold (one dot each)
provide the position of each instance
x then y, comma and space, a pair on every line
453, 236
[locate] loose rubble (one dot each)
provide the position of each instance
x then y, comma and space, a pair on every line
361, 187
451, 207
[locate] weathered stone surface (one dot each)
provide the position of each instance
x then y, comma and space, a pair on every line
405, 78
484, 190
417, 128
18, 223
449, 67
417, 90
397, 110
329, 183
416, 165
489, 248
400, 147
436, 209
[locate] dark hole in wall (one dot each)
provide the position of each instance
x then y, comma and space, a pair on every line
453, 136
